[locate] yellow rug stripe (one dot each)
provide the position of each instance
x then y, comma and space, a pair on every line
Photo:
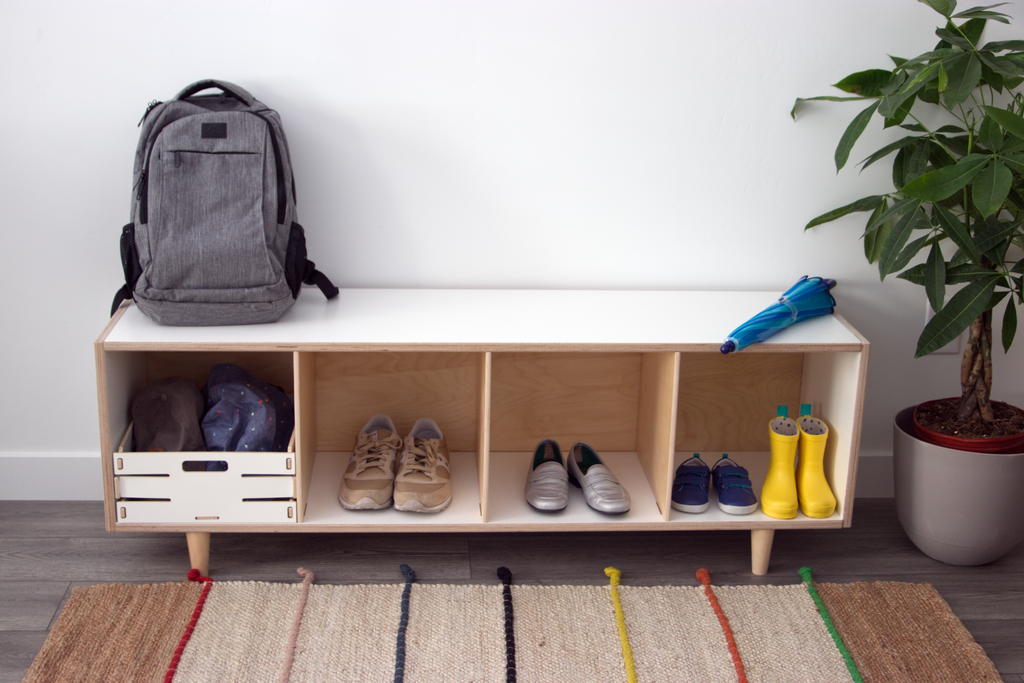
620, 620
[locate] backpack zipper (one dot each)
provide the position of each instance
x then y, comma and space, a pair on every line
152, 105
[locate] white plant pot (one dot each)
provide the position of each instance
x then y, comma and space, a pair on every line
957, 507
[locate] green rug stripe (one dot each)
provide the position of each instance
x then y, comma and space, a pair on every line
805, 574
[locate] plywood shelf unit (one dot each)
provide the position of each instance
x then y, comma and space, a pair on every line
638, 375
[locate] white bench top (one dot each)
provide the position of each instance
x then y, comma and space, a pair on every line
495, 320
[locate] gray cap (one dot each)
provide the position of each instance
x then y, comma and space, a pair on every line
167, 414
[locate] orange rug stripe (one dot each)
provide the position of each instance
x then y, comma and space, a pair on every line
193, 575
705, 578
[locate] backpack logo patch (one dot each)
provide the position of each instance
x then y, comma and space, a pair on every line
215, 130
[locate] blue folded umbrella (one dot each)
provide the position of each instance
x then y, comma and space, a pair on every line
808, 298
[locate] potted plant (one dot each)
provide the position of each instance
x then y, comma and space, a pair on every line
958, 200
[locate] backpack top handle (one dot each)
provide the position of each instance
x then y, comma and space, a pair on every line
230, 89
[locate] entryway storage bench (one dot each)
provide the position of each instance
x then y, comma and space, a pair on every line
638, 375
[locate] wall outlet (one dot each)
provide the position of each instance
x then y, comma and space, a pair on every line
952, 348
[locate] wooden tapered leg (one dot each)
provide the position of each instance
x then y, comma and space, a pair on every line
760, 550
199, 551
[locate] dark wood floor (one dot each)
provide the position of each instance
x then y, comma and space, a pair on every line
46, 548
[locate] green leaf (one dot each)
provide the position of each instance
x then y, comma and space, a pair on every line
918, 163
991, 188
826, 98
941, 54
995, 233
956, 231
864, 204
991, 78
929, 93
964, 75
899, 168
1003, 67
957, 275
971, 29
914, 275
940, 158
957, 145
908, 253
959, 259
1015, 162
990, 134
1001, 45
1013, 145
944, 182
888, 149
1009, 325
996, 298
875, 240
935, 278
965, 306
943, 7
954, 38
980, 13
897, 239
943, 78
901, 114
867, 83
892, 103
899, 208
853, 131
1008, 120
895, 83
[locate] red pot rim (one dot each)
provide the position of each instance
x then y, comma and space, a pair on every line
999, 444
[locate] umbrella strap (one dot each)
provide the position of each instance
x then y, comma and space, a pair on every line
791, 306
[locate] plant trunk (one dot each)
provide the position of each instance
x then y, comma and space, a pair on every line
976, 371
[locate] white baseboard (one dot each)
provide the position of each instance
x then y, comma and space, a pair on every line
41, 476
76, 476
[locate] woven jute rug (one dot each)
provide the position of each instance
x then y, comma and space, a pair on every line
205, 630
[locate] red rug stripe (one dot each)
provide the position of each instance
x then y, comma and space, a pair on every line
737, 661
193, 575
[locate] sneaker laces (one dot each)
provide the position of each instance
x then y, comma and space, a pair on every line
422, 456
372, 452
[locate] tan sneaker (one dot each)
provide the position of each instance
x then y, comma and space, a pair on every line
423, 483
370, 476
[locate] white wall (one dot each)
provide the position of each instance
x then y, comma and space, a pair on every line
537, 143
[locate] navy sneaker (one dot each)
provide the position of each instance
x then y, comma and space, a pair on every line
690, 487
732, 483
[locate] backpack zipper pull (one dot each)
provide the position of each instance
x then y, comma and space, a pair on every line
149, 108
141, 184
177, 159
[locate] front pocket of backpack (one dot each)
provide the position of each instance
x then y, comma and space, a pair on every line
210, 229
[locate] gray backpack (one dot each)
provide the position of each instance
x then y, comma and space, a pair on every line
213, 238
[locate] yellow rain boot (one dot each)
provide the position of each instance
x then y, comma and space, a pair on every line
816, 499
778, 497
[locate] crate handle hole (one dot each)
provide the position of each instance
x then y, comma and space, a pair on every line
204, 466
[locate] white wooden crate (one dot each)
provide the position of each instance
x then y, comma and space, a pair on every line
154, 487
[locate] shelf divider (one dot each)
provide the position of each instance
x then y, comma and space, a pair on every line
305, 427
656, 423
483, 430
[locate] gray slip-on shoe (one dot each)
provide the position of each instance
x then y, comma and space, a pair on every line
547, 486
602, 490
